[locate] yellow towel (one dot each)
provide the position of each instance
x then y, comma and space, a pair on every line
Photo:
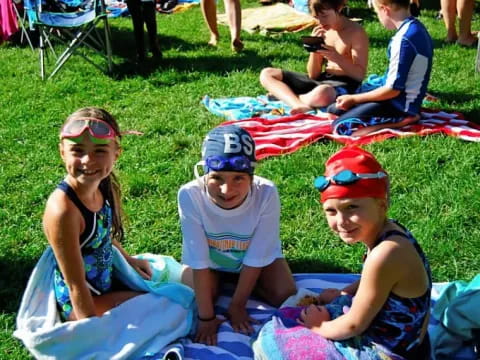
273, 19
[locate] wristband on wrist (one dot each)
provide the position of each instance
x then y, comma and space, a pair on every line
207, 319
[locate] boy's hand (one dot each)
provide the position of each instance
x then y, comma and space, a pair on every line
240, 320
345, 102
330, 53
328, 295
141, 266
207, 331
318, 31
313, 316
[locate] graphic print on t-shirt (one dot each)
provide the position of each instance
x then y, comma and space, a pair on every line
227, 250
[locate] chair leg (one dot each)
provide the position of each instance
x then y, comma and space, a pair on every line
108, 45
42, 55
22, 25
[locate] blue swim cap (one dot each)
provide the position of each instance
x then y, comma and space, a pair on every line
229, 142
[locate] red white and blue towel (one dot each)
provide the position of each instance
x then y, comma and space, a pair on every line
277, 133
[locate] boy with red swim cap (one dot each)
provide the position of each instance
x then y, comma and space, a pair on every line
395, 278
383, 315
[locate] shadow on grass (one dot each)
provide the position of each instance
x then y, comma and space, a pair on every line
123, 46
15, 274
309, 265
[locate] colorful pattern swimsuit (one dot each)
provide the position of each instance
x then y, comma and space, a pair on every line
96, 249
399, 323
393, 334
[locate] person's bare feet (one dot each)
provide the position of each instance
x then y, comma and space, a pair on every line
300, 109
237, 45
213, 40
467, 41
451, 39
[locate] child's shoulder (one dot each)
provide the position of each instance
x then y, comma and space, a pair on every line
353, 32
59, 205
263, 183
353, 27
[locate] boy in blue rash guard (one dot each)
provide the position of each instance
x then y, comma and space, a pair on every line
397, 101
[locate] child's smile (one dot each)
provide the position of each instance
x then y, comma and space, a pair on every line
356, 220
228, 189
87, 161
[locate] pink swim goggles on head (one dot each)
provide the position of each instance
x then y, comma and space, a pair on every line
97, 128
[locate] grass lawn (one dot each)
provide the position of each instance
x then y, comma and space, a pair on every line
435, 179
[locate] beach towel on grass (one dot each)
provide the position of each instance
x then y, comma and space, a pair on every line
272, 19
458, 313
245, 107
231, 345
236, 346
276, 134
139, 327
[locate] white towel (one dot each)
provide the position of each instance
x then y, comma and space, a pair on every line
141, 326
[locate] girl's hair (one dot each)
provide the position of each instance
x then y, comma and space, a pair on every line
317, 6
109, 187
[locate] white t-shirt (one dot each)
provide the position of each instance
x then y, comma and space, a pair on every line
224, 240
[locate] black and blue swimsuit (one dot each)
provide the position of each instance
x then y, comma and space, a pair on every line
96, 249
399, 323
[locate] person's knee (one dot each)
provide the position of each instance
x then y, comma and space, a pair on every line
322, 95
270, 73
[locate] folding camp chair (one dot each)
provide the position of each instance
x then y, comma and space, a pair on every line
22, 21
73, 26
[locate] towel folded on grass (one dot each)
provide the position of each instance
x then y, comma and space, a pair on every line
272, 19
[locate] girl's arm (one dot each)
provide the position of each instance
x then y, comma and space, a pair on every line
63, 225
381, 271
238, 315
141, 266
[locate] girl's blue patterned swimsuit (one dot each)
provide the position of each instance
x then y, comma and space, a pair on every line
96, 249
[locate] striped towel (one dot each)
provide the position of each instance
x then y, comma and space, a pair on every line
287, 134
235, 346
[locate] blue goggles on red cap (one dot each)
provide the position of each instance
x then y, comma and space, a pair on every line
344, 177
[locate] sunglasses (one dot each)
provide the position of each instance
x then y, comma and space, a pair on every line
97, 128
344, 177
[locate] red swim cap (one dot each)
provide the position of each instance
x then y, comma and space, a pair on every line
358, 161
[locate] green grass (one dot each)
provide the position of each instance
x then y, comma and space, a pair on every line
435, 188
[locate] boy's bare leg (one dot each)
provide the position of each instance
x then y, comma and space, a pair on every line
234, 13
322, 95
271, 80
209, 11
465, 14
276, 282
449, 18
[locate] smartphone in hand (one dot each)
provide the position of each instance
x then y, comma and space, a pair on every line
313, 43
